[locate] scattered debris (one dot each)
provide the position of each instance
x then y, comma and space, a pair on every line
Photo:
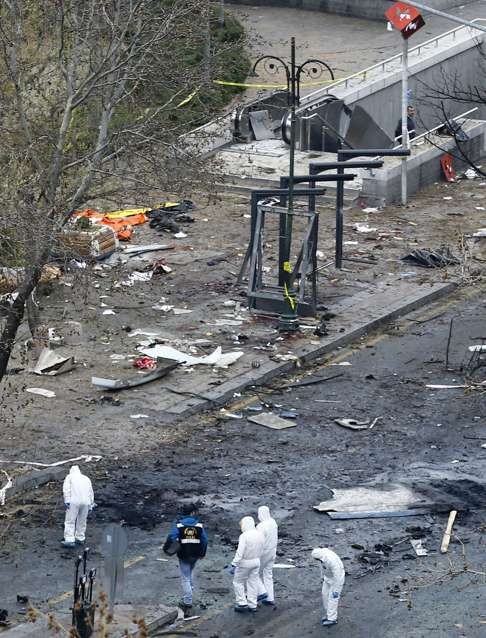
272, 421
145, 363
342, 363
477, 348
216, 358
120, 384
387, 498
109, 312
431, 259
52, 364
352, 424
446, 539
312, 381
4, 622
364, 228
86, 458
283, 566
49, 394
137, 276
143, 333
139, 416
6, 487
11, 278
434, 386
134, 251
417, 544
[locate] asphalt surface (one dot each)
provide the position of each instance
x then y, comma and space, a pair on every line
232, 466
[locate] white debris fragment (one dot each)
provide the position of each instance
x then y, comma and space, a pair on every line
143, 333
49, 394
364, 228
181, 311
370, 210
139, 416
109, 312
6, 487
216, 358
477, 348
180, 235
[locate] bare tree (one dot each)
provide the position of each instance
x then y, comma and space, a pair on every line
95, 96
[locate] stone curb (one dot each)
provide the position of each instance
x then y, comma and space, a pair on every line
270, 370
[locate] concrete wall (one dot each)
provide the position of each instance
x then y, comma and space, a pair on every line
423, 167
456, 60
373, 9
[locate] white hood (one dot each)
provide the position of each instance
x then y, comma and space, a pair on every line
247, 523
331, 563
74, 470
264, 513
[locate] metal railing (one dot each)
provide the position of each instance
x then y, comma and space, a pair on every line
381, 66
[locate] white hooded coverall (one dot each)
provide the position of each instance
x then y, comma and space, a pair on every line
333, 579
247, 563
269, 529
78, 492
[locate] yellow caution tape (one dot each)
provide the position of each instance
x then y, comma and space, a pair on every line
286, 266
118, 214
289, 298
187, 99
272, 86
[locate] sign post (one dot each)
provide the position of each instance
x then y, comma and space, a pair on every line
407, 20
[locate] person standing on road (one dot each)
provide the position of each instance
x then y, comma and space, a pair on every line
246, 565
269, 529
332, 572
190, 540
78, 501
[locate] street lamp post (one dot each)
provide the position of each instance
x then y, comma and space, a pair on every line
293, 72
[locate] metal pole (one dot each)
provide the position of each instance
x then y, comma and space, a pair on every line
221, 14
288, 321
405, 140
424, 7
338, 258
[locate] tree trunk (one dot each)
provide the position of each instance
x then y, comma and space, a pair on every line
14, 317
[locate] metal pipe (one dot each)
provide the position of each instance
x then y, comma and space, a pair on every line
405, 138
442, 14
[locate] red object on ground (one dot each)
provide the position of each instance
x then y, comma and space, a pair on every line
448, 168
145, 363
408, 20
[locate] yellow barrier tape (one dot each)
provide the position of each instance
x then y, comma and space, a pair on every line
286, 266
289, 298
272, 86
187, 99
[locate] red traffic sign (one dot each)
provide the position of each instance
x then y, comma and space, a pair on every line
408, 20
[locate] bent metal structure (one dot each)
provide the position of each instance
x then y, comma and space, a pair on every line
362, 111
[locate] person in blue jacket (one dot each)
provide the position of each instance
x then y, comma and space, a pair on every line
192, 541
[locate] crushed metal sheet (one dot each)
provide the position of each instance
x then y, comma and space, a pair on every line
50, 363
124, 384
272, 421
390, 497
216, 358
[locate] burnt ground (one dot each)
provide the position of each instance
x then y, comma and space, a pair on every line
428, 439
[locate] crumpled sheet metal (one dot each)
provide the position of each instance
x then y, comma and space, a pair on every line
386, 498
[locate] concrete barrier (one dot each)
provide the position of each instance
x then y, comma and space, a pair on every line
372, 9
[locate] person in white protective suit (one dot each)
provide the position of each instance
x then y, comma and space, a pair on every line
78, 501
269, 529
246, 564
332, 571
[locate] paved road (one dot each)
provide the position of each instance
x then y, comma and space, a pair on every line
234, 466
348, 45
